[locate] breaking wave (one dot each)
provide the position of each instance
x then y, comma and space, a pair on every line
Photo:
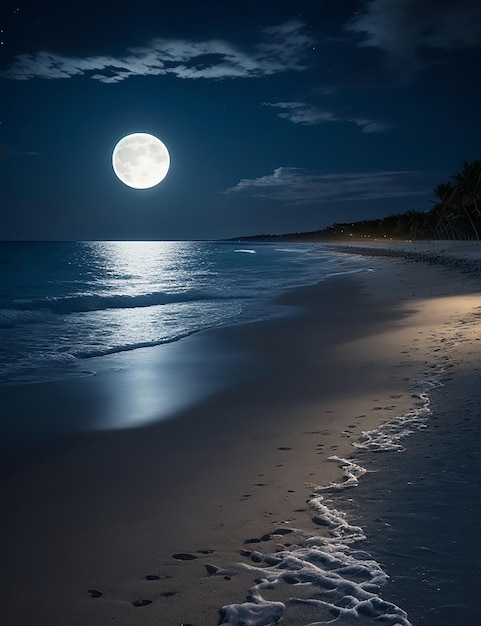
90, 354
28, 311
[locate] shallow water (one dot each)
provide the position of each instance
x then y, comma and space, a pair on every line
63, 304
421, 513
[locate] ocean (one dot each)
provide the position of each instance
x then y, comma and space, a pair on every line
388, 551
63, 304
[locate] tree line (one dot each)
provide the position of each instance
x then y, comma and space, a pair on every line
455, 214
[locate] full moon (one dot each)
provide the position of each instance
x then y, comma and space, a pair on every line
140, 160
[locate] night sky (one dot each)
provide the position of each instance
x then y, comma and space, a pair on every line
279, 116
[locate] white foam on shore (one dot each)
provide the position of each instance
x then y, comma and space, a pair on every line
328, 578
388, 436
341, 582
351, 472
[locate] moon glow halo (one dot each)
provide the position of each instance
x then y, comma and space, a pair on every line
140, 160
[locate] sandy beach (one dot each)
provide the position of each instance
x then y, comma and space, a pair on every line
151, 524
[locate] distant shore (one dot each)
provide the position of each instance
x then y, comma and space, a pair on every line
463, 255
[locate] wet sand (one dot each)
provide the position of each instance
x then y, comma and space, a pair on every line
118, 525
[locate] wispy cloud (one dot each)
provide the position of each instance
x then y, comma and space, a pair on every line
6, 152
299, 186
281, 49
309, 115
405, 29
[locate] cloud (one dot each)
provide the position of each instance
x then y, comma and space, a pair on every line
6, 152
308, 115
281, 49
299, 186
405, 29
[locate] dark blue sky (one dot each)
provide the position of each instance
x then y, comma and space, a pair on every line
279, 116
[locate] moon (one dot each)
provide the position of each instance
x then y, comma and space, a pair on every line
140, 160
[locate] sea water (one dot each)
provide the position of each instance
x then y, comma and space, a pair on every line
63, 304
387, 551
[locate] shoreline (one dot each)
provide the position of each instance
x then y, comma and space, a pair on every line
105, 512
461, 255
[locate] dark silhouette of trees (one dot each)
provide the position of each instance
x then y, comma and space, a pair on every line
455, 214
457, 208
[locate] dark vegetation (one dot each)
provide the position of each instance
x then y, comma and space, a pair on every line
455, 214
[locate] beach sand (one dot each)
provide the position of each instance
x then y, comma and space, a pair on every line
118, 525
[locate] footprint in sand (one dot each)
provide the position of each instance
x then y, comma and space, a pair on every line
95, 594
182, 556
141, 602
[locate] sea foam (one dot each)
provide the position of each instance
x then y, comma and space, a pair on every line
328, 578
388, 436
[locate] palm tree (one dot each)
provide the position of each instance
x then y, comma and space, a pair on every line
464, 192
474, 177
443, 214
